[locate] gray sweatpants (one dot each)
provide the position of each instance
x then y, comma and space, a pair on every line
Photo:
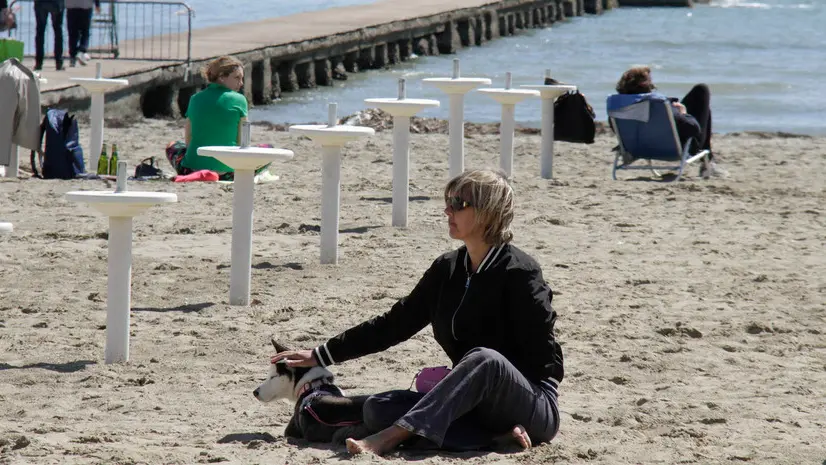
483, 397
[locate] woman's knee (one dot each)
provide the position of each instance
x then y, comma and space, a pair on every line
483, 356
700, 90
383, 409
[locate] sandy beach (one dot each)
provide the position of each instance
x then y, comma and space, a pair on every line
692, 314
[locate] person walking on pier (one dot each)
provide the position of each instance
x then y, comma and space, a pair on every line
43, 10
78, 24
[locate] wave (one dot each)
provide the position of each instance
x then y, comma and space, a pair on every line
759, 5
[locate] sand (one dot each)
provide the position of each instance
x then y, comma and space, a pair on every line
692, 315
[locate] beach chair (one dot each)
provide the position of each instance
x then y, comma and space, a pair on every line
645, 129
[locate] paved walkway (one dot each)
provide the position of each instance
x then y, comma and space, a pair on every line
242, 37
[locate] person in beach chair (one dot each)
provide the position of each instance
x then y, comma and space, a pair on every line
651, 126
213, 118
490, 310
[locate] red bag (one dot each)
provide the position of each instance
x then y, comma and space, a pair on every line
429, 377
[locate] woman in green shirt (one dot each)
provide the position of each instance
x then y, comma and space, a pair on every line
213, 118
214, 115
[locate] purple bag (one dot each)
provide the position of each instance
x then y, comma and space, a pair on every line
429, 377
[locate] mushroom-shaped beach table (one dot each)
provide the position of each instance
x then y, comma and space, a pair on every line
401, 109
456, 87
97, 86
548, 93
13, 169
332, 138
508, 98
244, 160
120, 206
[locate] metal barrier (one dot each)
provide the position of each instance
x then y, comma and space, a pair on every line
124, 29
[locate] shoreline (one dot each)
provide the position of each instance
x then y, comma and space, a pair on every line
381, 121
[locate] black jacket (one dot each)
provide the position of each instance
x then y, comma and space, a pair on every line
687, 125
504, 306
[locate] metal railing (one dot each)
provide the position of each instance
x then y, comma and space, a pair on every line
124, 29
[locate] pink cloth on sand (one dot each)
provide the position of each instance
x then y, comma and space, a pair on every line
202, 175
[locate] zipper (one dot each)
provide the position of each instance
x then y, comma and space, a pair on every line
453, 320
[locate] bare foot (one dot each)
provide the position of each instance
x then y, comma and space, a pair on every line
517, 436
379, 443
355, 447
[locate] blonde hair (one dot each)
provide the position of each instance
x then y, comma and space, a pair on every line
490, 193
220, 67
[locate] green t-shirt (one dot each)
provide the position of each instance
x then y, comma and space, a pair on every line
214, 114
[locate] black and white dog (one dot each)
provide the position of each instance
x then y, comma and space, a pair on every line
322, 411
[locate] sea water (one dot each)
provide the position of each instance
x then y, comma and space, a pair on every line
764, 60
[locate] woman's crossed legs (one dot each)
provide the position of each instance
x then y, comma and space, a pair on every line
484, 401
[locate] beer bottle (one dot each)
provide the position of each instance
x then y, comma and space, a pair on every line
103, 161
113, 162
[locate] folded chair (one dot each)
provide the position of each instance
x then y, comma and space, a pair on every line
645, 129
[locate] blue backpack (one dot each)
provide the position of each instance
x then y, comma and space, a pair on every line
62, 157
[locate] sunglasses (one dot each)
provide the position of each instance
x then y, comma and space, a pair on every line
457, 203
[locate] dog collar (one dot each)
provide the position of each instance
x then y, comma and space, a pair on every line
312, 385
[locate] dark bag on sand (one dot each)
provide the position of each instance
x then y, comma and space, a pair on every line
62, 156
573, 117
147, 168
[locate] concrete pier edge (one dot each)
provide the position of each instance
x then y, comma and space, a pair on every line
162, 90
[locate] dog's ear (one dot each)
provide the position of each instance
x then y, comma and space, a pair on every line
278, 347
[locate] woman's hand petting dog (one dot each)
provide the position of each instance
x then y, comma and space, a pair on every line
296, 358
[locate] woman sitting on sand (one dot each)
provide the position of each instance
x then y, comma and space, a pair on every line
214, 117
491, 312
692, 114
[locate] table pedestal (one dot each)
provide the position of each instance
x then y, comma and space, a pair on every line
244, 160
96, 131
120, 206
548, 94
119, 289
330, 202
242, 214
547, 159
402, 109
401, 169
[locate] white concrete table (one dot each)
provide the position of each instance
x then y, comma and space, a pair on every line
13, 170
548, 93
456, 87
508, 98
332, 138
120, 206
244, 160
6, 228
401, 108
98, 87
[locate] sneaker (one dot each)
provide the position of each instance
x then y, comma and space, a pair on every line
84, 58
713, 170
